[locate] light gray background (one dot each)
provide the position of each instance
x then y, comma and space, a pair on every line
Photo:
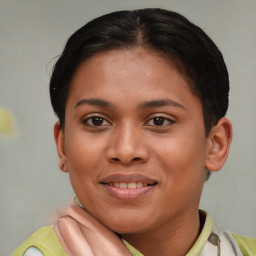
32, 32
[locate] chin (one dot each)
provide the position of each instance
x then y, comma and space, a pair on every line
128, 225
126, 219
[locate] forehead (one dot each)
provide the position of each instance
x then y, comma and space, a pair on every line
128, 73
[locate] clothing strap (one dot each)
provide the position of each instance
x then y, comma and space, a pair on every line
220, 243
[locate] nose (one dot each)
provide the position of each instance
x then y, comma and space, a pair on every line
127, 146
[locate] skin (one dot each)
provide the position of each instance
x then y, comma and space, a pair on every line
174, 153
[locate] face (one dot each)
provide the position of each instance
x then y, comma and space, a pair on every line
134, 141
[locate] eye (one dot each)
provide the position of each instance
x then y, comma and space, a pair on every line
159, 121
96, 121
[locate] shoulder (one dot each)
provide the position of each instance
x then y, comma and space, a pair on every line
45, 240
247, 245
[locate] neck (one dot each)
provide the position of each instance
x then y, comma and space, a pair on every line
173, 238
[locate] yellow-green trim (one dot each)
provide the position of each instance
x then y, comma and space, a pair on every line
201, 240
45, 240
197, 247
247, 245
131, 249
77, 202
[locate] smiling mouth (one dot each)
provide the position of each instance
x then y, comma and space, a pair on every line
127, 187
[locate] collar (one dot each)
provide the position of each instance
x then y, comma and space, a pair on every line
211, 241
204, 235
199, 244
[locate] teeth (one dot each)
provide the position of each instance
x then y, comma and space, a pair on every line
123, 185
128, 185
139, 184
116, 184
132, 185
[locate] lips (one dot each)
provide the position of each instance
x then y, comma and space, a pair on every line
128, 186
127, 178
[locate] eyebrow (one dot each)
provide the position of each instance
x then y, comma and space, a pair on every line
147, 104
94, 102
161, 103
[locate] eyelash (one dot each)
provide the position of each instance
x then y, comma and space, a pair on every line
163, 118
97, 118
103, 122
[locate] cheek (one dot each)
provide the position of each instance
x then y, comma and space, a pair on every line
84, 156
84, 161
182, 163
182, 155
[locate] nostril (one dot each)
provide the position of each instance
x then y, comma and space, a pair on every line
126, 161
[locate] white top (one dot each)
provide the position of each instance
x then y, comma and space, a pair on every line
33, 251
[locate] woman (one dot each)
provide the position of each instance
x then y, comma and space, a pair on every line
141, 98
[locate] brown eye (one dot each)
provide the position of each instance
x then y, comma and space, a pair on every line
96, 121
159, 121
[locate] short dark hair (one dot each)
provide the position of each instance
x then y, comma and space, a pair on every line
170, 33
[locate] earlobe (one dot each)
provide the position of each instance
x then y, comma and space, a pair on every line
60, 145
219, 141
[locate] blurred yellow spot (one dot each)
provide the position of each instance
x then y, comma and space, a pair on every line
7, 123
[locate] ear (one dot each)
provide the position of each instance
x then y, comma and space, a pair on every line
219, 141
60, 145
